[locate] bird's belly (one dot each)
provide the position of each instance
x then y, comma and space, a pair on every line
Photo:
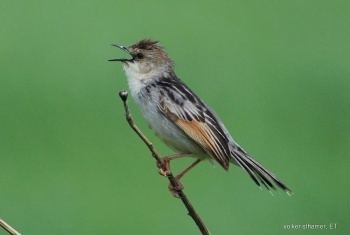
169, 132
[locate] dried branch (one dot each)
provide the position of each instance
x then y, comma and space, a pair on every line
156, 155
8, 228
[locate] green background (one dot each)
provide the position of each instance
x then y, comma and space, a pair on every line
277, 72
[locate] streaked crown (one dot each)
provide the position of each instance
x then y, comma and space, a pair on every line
150, 52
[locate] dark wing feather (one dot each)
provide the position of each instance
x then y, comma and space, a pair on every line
192, 116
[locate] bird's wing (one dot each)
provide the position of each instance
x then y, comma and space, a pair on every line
179, 104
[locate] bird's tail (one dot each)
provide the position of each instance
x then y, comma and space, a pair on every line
257, 172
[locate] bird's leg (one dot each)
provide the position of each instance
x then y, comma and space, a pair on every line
164, 166
187, 169
179, 186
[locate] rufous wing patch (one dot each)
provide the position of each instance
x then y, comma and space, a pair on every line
202, 134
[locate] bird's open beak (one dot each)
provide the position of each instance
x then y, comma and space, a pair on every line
124, 49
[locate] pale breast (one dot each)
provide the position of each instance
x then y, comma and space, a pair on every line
165, 129
147, 96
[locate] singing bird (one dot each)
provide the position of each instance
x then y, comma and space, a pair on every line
180, 118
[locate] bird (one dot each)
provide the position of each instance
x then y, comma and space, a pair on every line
180, 118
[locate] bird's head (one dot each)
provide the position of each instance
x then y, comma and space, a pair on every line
146, 56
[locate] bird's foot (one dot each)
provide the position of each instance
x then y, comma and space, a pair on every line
175, 189
164, 166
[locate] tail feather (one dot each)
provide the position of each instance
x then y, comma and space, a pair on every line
257, 172
257, 178
243, 165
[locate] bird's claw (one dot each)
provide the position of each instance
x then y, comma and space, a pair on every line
174, 190
164, 167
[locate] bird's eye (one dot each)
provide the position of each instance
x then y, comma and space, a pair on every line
139, 56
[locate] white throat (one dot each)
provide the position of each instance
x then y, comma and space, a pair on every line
140, 75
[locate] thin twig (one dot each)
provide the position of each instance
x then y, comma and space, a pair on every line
8, 228
156, 155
